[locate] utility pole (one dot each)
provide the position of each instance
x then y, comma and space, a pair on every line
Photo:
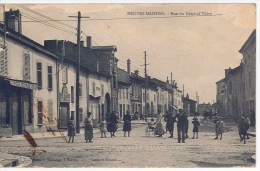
145, 90
172, 92
78, 71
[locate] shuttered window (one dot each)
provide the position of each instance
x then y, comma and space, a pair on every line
72, 94
80, 115
39, 75
50, 111
49, 77
39, 112
26, 66
3, 62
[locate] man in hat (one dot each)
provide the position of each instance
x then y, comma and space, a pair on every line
181, 124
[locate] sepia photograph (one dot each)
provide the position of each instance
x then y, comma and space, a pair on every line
128, 85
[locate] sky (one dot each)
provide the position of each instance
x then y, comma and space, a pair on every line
196, 49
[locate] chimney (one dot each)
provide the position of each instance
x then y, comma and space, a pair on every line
89, 42
13, 20
128, 66
81, 43
136, 72
227, 71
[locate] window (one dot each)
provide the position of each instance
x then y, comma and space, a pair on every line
39, 75
102, 90
72, 115
50, 111
3, 61
39, 112
91, 109
123, 91
114, 81
72, 94
26, 66
97, 65
93, 88
80, 115
80, 89
127, 93
230, 87
65, 74
249, 79
49, 77
120, 96
154, 98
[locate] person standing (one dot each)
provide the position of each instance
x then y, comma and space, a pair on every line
71, 130
159, 131
247, 121
219, 127
196, 125
242, 129
186, 128
112, 124
127, 124
103, 128
181, 124
88, 128
169, 119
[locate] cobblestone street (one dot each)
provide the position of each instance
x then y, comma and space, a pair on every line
138, 151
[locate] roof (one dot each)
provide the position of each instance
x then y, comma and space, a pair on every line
248, 42
111, 47
123, 76
22, 39
189, 100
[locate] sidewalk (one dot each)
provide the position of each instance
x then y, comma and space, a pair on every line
49, 134
10, 160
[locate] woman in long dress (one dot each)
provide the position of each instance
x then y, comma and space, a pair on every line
88, 128
159, 131
127, 124
112, 124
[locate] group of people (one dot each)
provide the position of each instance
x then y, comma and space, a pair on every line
182, 125
108, 125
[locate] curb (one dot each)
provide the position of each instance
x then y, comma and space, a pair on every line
252, 159
10, 160
9, 163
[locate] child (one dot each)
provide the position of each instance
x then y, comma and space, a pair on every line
103, 128
196, 125
71, 131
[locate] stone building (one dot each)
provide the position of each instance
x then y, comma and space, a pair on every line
28, 86
248, 50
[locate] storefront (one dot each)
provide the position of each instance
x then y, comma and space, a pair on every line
16, 108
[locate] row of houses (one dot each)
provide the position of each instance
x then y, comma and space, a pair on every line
38, 83
236, 91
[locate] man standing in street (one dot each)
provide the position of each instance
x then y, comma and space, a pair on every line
181, 124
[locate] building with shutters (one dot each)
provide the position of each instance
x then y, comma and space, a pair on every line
28, 87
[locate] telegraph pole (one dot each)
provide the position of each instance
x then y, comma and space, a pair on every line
145, 90
172, 92
78, 71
